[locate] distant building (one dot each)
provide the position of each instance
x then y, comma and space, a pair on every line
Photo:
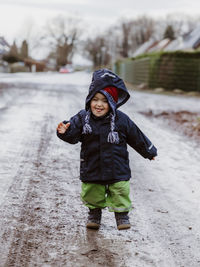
34, 65
192, 39
188, 42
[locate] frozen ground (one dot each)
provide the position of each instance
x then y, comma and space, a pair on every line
42, 220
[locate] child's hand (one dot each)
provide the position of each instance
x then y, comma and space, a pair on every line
62, 128
153, 158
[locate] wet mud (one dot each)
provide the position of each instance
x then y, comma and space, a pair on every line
42, 220
183, 121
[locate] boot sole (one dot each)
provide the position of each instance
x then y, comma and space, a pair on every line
93, 226
123, 226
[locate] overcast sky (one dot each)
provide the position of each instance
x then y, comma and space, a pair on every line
16, 15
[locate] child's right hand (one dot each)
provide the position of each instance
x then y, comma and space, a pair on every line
62, 128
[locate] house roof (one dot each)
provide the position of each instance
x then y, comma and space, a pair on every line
176, 44
192, 40
152, 45
160, 45
186, 42
144, 47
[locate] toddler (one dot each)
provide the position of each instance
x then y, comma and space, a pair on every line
104, 133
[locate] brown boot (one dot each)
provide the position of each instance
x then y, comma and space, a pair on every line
122, 220
94, 219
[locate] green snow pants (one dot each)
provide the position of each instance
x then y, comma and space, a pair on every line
114, 196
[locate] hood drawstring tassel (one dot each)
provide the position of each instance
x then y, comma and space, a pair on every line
87, 128
113, 137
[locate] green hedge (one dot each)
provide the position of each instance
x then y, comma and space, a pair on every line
170, 70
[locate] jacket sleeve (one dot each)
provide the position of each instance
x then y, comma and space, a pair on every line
137, 139
73, 133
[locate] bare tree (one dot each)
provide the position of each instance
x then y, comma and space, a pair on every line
143, 28
98, 51
62, 35
24, 50
130, 34
125, 38
119, 41
32, 35
180, 23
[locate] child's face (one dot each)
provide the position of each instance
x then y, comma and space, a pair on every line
99, 105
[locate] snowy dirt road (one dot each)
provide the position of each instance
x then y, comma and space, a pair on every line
42, 220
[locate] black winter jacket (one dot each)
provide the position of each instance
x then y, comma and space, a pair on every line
101, 161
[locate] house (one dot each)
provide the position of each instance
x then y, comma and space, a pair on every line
192, 39
188, 42
34, 65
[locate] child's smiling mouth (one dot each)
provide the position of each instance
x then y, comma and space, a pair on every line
99, 109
